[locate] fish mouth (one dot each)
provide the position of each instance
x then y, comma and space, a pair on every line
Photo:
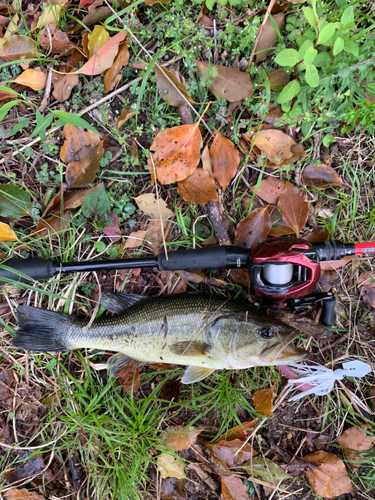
283, 353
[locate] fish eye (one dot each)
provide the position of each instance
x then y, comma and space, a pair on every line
266, 332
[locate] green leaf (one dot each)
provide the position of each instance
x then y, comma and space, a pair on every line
351, 47
310, 55
289, 91
303, 49
347, 19
7, 89
97, 203
287, 57
18, 126
311, 16
265, 469
73, 119
312, 75
14, 201
210, 4
327, 140
326, 33
5, 109
338, 46
41, 125
321, 59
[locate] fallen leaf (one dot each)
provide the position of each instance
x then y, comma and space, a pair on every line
198, 188
83, 3
232, 488
70, 200
63, 84
103, 57
81, 152
6, 96
23, 494
6, 383
278, 78
279, 228
233, 452
53, 226
180, 437
315, 442
192, 276
330, 478
274, 115
154, 233
96, 39
56, 40
176, 152
224, 160
366, 285
97, 204
316, 235
113, 74
206, 160
230, 83
263, 401
51, 14
206, 455
267, 470
170, 390
331, 265
253, 229
321, 177
153, 207
112, 230
268, 37
135, 240
17, 47
242, 432
36, 80
168, 91
15, 202
294, 207
270, 189
170, 466
278, 147
129, 377
125, 115
6, 233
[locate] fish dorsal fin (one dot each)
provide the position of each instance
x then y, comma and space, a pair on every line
117, 362
195, 374
118, 303
190, 348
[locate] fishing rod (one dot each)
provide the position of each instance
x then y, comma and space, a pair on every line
284, 271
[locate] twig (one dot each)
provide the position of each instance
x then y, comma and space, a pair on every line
261, 28
47, 92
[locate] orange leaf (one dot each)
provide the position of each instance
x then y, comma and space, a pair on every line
198, 188
70, 200
322, 177
176, 152
355, 440
17, 47
254, 228
270, 190
242, 432
22, 494
52, 226
294, 207
6, 233
224, 160
279, 228
125, 115
135, 239
279, 148
113, 74
232, 488
263, 401
330, 478
36, 80
103, 58
233, 452
180, 437
129, 377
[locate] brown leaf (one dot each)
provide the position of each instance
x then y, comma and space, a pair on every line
17, 47
81, 152
279, 228
229, 451
242, 432
207, 455
135, 240
279, 148
125, 115
36, 80
180, 437
176, 152
230, 83
168, 91
70, 200
316, 235
198, 188
275, 113
111, 229
331, 265
206, 160
322, 177
278, 78
6, 97
270, 189
23, 494
154, 233
63, 86
315, 442
263, 401
170, 390
192, 276
6, 383
330, 478
294, 207
232, 488
153, 207
224, 160
129, 377
113, 74
253, 229
268, 38
366, 285
173, 489
103, 57
52, 226
55, 39
6, 233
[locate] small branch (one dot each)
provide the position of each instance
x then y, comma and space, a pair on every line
261, 28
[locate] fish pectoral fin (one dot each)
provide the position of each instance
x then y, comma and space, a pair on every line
117, 362
195, 374
190, 348
118, 303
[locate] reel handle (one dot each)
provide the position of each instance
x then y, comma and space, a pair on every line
328, 317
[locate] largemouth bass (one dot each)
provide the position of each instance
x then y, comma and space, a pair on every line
206, 333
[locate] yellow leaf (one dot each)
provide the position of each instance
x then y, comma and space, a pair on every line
36, 80
6, 233
51, 14
169, 466
96, 39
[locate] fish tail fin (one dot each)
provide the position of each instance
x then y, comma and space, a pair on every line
41, 330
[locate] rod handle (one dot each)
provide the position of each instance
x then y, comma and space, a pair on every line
220, 257
35, 269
